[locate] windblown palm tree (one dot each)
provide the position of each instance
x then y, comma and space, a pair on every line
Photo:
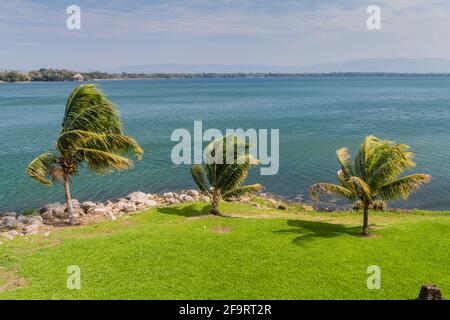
222, 176
375, 174
92, 134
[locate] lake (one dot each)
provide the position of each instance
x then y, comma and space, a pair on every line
315, 116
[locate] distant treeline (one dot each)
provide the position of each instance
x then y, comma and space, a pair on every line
67, 75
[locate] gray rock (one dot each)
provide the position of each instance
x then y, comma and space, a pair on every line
88, 205
9, 222
31, 229
48, 216
9, 214
168, 195
171, 200
22, 219
13, 233
129, 207
193, 193
150, 203
137, 197
35, 220
53, 207
100, 210
186, 198
73, 220
75, 204
121, 204
141, 206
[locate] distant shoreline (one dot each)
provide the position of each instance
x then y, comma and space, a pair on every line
251, 76
62, 75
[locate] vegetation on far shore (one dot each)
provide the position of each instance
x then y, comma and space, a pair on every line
52, 75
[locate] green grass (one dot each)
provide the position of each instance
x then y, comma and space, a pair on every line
182, 253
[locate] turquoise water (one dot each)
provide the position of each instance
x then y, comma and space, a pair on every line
315, 117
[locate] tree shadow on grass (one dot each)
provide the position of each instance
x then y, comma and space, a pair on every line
312, 230
186, 211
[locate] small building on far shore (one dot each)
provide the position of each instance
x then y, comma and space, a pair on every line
78, 77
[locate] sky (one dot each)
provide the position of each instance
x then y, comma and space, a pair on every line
115, 33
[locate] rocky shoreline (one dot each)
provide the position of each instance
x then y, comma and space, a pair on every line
53, 215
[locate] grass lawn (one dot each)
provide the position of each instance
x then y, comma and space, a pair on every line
181, 252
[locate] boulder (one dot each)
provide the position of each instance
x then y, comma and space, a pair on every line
193, 193
35, 220
22, 219
129, 207
151, 203
56, 208
430, 292
137, 197
168, 195
171, 200
9, 214
141, 206
31, 229
75, 203
88, 205
100, 210
120, 204
13, 233
48, 216
9, 222
186, 198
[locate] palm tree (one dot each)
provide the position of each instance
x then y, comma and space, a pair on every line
375, 174
222, 176
92, 134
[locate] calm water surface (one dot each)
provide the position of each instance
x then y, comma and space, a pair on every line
315, 117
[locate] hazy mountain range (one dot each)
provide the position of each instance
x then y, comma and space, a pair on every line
398, 65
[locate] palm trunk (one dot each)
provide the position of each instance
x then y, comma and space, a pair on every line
69, 205
215, 204
365, 231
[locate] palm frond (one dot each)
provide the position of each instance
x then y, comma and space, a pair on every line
388, 162
344, 158
70, 141
361, 188
199, 178
41, 167
331, 189
364, 153
403, 187
232, 176
101, 161
242, 191
88, 109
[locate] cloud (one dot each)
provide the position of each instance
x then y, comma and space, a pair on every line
228, 31
246, 17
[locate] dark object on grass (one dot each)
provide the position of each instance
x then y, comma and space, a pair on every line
281, 207
430, 292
